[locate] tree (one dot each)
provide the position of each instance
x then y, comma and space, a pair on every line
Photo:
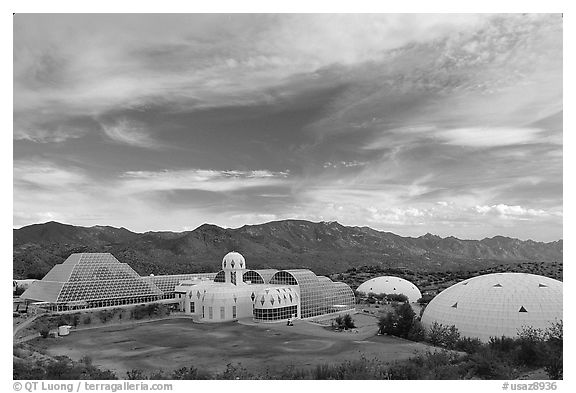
417, 332
397, 297
44, 330
343, 322
436, 334
348, 322
405, 319
388, 324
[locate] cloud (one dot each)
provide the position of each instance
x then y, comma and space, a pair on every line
42, 135
488, 136
514, 212
46, 175
392, 121
195, 60
199, 179
344, 164
130, 133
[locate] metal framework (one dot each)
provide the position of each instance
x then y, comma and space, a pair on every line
318, 295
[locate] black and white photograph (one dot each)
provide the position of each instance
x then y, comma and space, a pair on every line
286, 196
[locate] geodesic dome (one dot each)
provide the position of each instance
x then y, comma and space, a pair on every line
391, 285
496, 305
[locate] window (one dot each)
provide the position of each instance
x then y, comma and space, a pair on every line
210, 313
222, 313
220, 277
275, 314
253, 277
233, 312
192, 307
202, 311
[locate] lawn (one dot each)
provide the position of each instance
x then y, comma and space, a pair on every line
170, 344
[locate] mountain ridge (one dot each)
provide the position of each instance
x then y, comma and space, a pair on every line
324, 247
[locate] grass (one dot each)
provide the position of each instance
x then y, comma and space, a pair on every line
167, 345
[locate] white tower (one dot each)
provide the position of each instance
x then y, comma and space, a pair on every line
234, 267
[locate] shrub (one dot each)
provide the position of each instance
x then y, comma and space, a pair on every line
502, 344
87, 320
417, 332
397, 297
235, 372
425, 299
554, 366
468, 345
343, 322
451, 337
187, 373
135, 374
106, 315
443, 336
436, 334
486, 364
348, 322
405, 320
322, 372
406, 370
388, 324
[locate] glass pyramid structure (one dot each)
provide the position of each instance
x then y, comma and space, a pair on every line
92, 280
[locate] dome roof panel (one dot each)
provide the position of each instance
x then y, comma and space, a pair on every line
486, 311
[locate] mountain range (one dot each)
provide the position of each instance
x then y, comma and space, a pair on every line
324, 247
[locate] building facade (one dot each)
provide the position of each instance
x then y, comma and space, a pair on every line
265, 295
94, 280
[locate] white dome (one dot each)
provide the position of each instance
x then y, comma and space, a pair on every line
496, 305
391, 285
276, 297
233, 260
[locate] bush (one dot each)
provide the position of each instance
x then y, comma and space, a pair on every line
486, 364
417, 332
87, 320
405, 319
44, 329
397, 297
398, 323
468, 345
343, 322
234, 372
136, 374
554, 366
425, 299
429, 365
443, 336
388, 324
106, 315
502, 344
187, 373
348, 322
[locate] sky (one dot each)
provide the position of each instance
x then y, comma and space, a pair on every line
435, 123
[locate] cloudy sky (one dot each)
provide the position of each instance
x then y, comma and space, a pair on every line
449, 124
